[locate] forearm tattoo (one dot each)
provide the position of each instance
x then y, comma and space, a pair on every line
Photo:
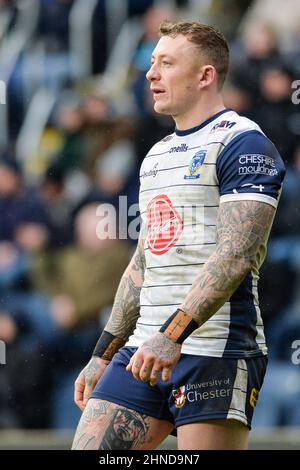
126, 308
139, 262
241, 228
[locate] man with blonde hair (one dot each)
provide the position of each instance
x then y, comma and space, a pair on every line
184, 347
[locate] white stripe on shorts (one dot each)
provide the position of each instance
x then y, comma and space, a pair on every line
237, 408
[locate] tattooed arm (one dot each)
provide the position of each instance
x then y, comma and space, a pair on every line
120, 326
125, 311
241, 228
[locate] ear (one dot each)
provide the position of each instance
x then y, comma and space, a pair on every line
207, 76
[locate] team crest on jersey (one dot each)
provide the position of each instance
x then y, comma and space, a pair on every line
179, 396
164, 225
195, 165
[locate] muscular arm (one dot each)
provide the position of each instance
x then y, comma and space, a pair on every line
241, 228
120, 326
125, 311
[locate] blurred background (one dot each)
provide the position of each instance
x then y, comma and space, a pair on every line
75, 124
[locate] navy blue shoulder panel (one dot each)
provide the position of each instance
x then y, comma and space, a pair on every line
250, 163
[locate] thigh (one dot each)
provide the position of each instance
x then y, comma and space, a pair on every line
208, 389
108, 426
226, 434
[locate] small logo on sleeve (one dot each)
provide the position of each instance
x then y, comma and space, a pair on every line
256, 164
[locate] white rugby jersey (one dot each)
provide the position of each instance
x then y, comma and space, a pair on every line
184, 178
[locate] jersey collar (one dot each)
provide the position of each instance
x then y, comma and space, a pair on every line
203, 124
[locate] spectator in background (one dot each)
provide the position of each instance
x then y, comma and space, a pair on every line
88, 127
114, 169
257, 50
142, 57
90, 131
22, 214
102, 129
115, 174
23, 230
276, 114
58, 206
69, 120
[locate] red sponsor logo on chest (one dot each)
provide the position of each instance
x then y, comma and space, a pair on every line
164, 225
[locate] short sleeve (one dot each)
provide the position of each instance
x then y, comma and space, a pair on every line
250, 168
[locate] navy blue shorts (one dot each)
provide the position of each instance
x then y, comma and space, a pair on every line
201, 388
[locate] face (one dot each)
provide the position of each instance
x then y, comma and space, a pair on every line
175, 75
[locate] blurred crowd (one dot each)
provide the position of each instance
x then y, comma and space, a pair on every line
74, 142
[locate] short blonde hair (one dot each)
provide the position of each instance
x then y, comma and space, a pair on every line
211, 42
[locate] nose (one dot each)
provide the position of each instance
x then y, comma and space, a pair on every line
152, 73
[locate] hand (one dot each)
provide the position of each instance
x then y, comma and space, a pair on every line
87, 380
158, 355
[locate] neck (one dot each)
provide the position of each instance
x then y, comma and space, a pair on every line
206, 107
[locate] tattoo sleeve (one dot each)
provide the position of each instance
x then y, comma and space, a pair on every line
126, 308
242, 227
